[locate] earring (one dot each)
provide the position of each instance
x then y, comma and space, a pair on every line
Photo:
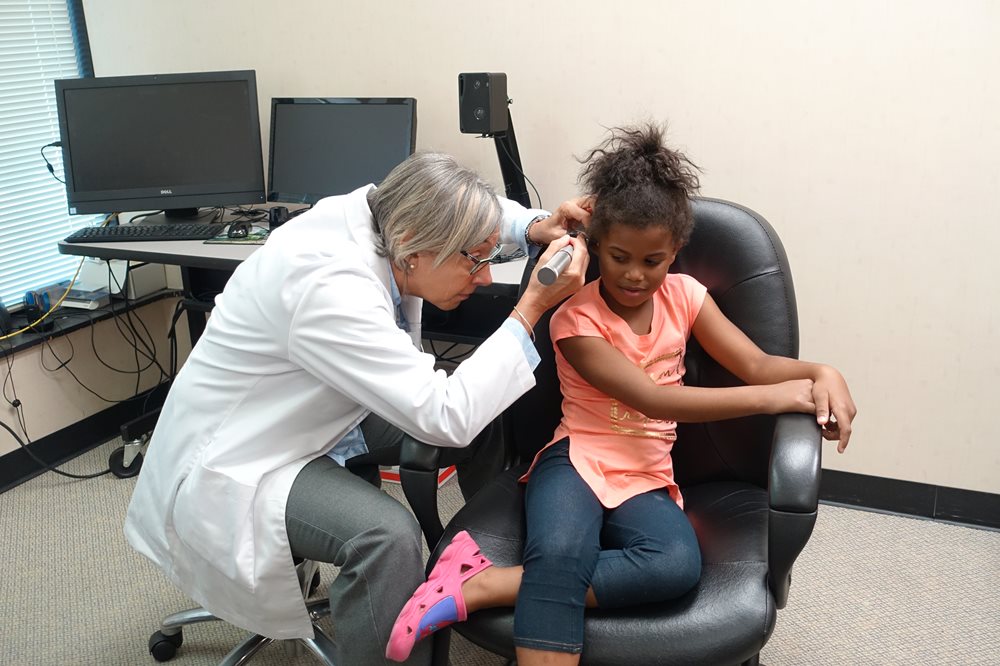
412, 267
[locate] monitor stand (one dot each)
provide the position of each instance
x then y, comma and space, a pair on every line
180, 214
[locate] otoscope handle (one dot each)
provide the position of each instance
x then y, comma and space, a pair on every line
550, 272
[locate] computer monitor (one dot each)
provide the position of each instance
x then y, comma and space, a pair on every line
175, 142
333, 145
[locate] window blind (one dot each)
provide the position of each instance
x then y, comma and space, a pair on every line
36, 47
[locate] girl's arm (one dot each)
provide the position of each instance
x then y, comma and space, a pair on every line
609, 371
727, 344
777, 384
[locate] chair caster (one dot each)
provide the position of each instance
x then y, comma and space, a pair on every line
164, 647
116, 462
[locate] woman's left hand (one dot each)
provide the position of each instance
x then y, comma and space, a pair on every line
572, 215
835, 408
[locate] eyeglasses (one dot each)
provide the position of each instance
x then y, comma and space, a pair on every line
479, 264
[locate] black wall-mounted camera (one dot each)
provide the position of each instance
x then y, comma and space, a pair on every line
482, 103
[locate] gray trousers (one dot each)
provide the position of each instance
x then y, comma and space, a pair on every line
337, 516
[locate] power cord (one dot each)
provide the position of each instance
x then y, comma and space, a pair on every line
136, 339
93, 344
62, 298
251, 214
125, 330
513, 163
142, 215
150, 347
19, 411
52, 309
48, 165
48, 466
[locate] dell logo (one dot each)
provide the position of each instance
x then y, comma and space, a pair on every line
166, 191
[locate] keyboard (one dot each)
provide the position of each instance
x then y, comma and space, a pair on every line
146, 232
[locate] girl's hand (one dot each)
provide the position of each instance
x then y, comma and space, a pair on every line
795, 395
835, 409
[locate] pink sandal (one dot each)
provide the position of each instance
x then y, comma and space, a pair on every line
438, 602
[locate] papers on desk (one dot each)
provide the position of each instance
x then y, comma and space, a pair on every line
94, 284
83, 299
257, 236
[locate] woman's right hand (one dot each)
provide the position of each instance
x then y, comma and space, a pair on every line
537, 297
795, 395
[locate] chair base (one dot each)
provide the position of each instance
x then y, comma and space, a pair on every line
164, 643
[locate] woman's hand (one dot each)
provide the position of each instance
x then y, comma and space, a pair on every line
537, 297
835, 409
572, 215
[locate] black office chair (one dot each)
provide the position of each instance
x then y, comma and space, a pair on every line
750, 485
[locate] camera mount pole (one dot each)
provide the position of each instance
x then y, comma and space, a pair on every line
510, 164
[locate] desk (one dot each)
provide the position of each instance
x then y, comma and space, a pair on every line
205, 268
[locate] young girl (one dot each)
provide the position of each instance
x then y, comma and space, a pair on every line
605, 520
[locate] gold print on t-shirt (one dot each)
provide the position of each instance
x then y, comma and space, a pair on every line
675, 368
633, 423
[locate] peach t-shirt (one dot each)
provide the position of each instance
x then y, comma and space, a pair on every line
617, 450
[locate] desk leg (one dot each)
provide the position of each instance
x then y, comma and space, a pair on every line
202, 284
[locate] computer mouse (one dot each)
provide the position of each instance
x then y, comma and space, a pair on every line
238, 230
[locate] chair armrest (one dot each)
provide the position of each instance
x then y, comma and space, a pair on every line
793, 495
794, 470
418, 474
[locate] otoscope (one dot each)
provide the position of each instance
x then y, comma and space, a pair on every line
551, 271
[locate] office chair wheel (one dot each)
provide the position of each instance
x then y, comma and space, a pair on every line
164, 647
116, 462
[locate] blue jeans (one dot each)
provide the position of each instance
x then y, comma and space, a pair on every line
642, 551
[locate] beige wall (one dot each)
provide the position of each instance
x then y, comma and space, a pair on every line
51, 399
866, 132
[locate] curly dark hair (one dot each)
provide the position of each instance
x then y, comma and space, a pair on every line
639, 182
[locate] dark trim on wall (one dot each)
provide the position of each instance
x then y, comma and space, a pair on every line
16, 467
924, 500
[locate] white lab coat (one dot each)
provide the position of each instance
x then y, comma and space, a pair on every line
301, 346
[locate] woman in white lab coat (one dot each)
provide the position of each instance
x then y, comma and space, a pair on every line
309, 358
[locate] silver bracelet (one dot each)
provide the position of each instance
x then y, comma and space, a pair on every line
527, 230
531, 329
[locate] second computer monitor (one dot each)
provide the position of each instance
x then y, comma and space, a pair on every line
332, 145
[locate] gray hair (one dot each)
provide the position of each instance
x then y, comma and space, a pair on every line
431, 203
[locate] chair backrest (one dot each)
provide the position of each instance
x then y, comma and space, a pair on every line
738, 256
